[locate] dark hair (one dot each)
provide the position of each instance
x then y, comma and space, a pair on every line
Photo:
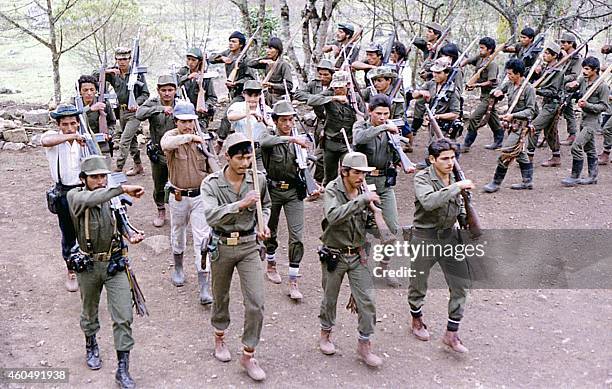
251, 92
240, 36
348, 32
488, 42
379, 100
240, 149
438, 146
516, 65
591, 62
275, 117
557, 55
276, 43
344, 169
88, 79
450, 50
400, 49
528, 32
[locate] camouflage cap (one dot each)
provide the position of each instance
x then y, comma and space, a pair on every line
340, 79
283, 108
441, 64
381, 71
95, 164
554, 47
357, 161
195, 52
435, 26
374, 47
234, 139
326, 64
65, 110
567, 37
166, 79
123, 53
252, 85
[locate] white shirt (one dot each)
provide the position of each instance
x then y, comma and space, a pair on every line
69, 160
258, 128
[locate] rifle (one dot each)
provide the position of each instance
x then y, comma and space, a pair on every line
524, 85
135, 70
434, 48
387, 48
386, 236
201, 100
102, 122
179, 90
602, 78
535, 47
234, 72
342, 55
476, 75
258, 207
473, 222
394, 142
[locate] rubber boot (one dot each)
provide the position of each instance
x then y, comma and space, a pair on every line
203, 281
364, 353
592, 178
573, 179
251, 366
122, 376
604, 158
92, 353
178, 276
498, 178
325, 344
222, 353
527, 174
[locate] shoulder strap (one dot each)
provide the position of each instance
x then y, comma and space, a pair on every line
59, 175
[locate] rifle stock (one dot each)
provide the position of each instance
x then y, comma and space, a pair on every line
234, 72
258, 207
491, 58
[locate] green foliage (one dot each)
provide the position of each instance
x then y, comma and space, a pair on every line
271, 22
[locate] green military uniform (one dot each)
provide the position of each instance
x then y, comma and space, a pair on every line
236, 247
489, 73
93, 120
437, 207
573, 69
192, 88
159, 123
444, 105
281, 74
520, 52
397, 104
607, 134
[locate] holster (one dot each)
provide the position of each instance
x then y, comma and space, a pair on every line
330, 257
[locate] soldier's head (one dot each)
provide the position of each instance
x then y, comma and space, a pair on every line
515, 69
94, 172
380, 109
251, 92
441, 69
88, 86
185, 117
166, 89
275, 48
194, 59
236, 41
66, 117
282, 115
442, 156
238, 152
526, 36
590, 67
374, 54
340, 82
123, 56
382, 77
567, 41
486, 46
399, 52
451, 51
552, 51
353, 169
434, 32
325, 71
344, 32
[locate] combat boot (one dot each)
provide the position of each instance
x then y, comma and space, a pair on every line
92, 353
136, 170
325, 343
419, 329
160, 220
498, 178
122, 376
554, 161
364, 353
178, 276
592, 178
251, 366
294, 291
527, 174
604, 158
573, 179
203, 281
272, 274
569, 141
451, 339
222, 353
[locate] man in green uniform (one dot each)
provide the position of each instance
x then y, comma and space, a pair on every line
287, 192
573, 69
343, 252
604, 157
118, 77
486, 82
102, 262
551, 92
523, 49
159, 112
382, 83
278, 72
88, 89
188, 78
592, 107
230, 203
517, 123
374, 59
438, 207
343, 47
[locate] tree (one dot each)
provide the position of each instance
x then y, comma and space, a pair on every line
48, 25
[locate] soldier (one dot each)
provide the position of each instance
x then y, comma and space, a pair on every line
118, 78
63, 151
237, 40
159, 112
88, 88
486, 82
520, 50
604, 157
518, 126
374, 59
343, 47
287, 192
438, 206
187, 167
551, 91
188, 77
102, 251
432, 35
340, 113
230, 205
325, 72
382, 83
591, 108
346, 215
278, 72
573, 69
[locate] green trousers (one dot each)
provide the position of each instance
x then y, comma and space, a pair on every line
544, 121
246, 260
360, 281
607, 133
333, 154
294, 214
128, 142
585, 141
570, 118
159, 171
477, 114
119, 299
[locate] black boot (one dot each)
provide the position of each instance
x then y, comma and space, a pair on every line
92, 353
498, 177
122, 376
527, 174
573, 179
592, 178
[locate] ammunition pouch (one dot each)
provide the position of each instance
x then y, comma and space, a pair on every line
153, 152
390, 177
211, 247
116, 264
330, 257
452, 128
79, 261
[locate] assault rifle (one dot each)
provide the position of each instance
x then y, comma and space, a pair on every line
234, 73
135, 70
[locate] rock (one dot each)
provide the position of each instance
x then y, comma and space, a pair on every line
159, 244
8, 91
2, 144
12, 113
17, 135
36, 140
542, 297
13, 146
36, 116
8, 124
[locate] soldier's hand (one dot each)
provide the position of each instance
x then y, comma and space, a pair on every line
538, 69
572, 85
136, 238
299, 141
98, 106
392, 128
582, 103
465, 184
227, 60
410, 169
230, 84
133, 190
266, 84
507, 117
327, 48
266, 61
193, 75
497, 93
114, 71
133, 109
340, 98
250, 199
196, 138
201, 110
372, 197
168, 111
265, 234
425, 95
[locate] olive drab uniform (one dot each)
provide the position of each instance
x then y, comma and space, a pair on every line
607, 135
397, 105
521, 53
281, 74
93, 120
159, 123
573, 69
234, 245
437, 207
489, 73
192, 88
446, 104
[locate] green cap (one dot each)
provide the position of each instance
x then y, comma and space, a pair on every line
381, 71
95, 164
166, 79
552, 46
252, 85
435, 26
123, 53
326, 64
195, 52
567, 37
357, 161
234, 139
283, 108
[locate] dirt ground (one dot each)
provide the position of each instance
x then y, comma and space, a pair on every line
517, 338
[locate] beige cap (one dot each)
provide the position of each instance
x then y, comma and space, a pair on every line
95, 164
234, 139
123, 53
434, 26
567, 37
283, 108
166, 79
552, 46
340, 79
381, 71
357, 161
441, 64
326, 64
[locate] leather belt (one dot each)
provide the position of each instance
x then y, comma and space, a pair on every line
186, 192
237, 237
234, 234
433, 233
348, 250
100, 257
282, 185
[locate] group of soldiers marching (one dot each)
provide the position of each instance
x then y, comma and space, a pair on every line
231, 184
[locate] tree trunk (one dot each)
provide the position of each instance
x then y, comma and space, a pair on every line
306, 45
326, 12
287, 37
261, 20
55, 54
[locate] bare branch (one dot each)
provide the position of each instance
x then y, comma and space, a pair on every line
25, 30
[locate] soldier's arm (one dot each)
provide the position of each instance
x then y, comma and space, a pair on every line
337, 213
551, 90
144, 91
601, 105
303, 94
492, 72
217, 214
360, 65
420, 44
571, 74
255, 63
172, 141
148, 109
266, 202
529, 111
269, 140
364, 133
111, 120
431, 199
79, 200
320, 99
279, 87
